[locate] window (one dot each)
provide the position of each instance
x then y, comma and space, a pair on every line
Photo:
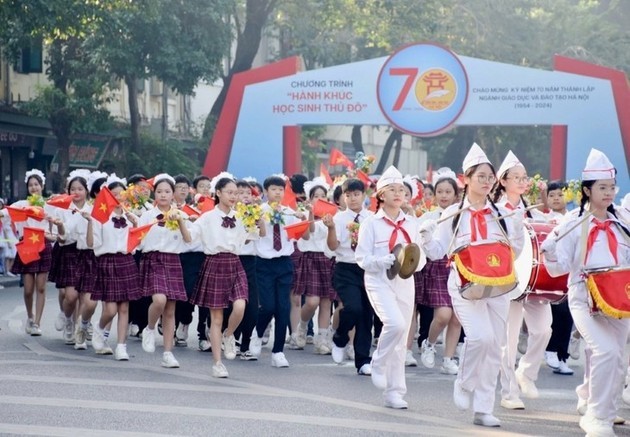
30, 58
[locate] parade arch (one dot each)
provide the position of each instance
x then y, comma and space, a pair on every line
423, 89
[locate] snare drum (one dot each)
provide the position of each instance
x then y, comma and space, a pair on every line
486, 269
609, 288
531, 270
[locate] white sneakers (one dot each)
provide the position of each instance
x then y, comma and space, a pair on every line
365, 370
596, 427
204, 346
98, 339
322, 342
449, 366
148, 341
563, 369
229, 348
80, 338
528, 388
410, 360
461, 397
120, 354
512, 404
551, 358
255, 344
397, 403
338, 353
219, 371
169, 361
68, 331
60, 321
488, 420
427, 354
278, 359
300, 337
182, 332
32, 328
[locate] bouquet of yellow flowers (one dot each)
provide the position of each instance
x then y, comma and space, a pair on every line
364, 162
274, 216
170, 221
353, 228
36, 200
536, 187
134, 197
573, 192
423, 206
249, 214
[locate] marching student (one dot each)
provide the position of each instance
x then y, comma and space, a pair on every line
392, 300
435, 288
274, 270
314, 273
222, 280
512, 183
161, 275
476, 218
590, 239
116, 279
348, 278
35, 273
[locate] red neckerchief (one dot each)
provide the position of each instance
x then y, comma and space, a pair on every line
478, 221
397, 227
610, 235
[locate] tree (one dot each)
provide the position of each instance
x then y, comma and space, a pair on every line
248, 36
178, 42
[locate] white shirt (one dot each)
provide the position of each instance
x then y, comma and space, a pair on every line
30, 222
316, 241
75, 224
569, 251
160, 238
109, 239
264, 245
344, 252
374, 236
440, 244
214, 237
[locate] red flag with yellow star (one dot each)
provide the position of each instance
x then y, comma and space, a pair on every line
289, 199
17, 214
136, 235
34, 237
104, 204
27, 253
338, 158
61, 201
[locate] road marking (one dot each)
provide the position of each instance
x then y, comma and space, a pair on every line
70, 432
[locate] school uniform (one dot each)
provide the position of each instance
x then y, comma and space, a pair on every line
393, 300
66, 261
349, 283
44, 263
222, 279
117, 278
483, 320
76, 227
315, 267
605, 336
274, 275
247, 257
160, 268
433, 292
538, 318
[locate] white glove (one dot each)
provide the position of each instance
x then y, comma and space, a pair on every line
549, 248
386, 261
427, 229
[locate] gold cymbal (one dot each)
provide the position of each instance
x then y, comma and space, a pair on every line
399, 253
410, 262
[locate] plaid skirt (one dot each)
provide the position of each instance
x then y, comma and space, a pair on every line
161, 273
222, 280
40, 266
55, 257
418, 282
67, 266
87, 271
117, 278
296, 256
435, 289
314, 276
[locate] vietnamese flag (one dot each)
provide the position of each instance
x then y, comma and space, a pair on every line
26, 252
35, 212
323, 172
17, 214
373, 204
61, 201
104, 204
363, 177
136, 235
289, 198
190, 211
338, 158
205, 204
34, 237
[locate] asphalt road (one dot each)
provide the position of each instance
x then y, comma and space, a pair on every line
48, 388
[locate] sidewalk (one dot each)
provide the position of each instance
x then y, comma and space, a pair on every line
9, 281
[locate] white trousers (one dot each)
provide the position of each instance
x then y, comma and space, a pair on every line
393, 302
484, 324
605, 367
538, 319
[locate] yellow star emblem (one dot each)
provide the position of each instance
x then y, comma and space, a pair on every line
142, 235
103, 207
34, 238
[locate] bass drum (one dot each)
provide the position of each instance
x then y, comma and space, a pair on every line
538, 284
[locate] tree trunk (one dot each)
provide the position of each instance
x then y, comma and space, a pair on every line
134, 113
357, 139
397, 150
394, 136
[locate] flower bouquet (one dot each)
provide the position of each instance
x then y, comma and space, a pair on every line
134, 197
573, 192
353, 228
274, 216
36, 200
364, 162
535, 189
249, 214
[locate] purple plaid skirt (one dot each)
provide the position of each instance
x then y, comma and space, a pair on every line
161, 273
296, 256
418, 282
222, 280
55, 257
435, 289
117, 278
67, 266
314, 277
40, 266
87, 271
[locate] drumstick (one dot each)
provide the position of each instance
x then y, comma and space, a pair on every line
516, 211
578, 223
459, 211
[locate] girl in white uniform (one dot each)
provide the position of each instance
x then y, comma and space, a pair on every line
509, 190
392, 300
483, 320
601, 240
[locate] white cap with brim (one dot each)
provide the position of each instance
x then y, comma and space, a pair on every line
598, 167
474, 157
509, 162
390, 176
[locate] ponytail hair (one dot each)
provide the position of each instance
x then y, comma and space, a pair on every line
585, 198
499, 216
461, 205
527, 211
